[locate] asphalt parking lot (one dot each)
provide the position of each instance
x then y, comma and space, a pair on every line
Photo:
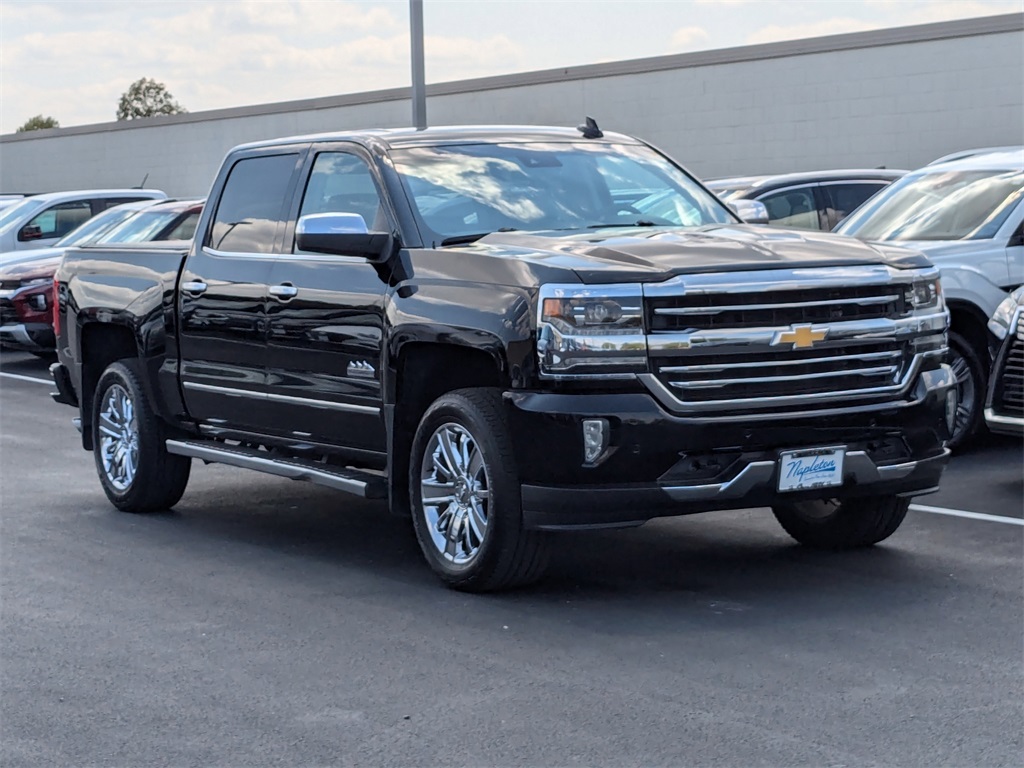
267, 622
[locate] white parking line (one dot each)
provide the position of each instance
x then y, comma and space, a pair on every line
19, 377
969, 515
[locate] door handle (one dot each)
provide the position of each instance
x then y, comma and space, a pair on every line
283, 292
194, 286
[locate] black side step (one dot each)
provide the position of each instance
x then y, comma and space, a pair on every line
365, 484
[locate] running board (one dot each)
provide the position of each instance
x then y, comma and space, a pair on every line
365, 484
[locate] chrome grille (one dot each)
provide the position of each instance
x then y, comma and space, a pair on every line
1008, 397
787, 339
7, 312
737, 377
764, 309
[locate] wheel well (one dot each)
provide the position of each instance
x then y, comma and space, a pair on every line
101, 345
424, 372
970, 322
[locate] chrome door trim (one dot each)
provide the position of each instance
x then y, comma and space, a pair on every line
231, 392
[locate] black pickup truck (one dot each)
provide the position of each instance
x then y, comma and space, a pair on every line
504, 332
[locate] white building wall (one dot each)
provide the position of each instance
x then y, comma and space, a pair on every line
898, 98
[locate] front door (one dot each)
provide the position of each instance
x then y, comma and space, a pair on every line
326, 317
224, 293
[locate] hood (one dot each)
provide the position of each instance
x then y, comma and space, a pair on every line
30, 269
11, 257
652, 255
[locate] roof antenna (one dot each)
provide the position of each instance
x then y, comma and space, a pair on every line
143, 184
589, 129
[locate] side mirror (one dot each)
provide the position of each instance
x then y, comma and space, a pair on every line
751, 211
342, 234
29, 232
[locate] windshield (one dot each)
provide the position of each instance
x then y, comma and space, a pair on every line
142, 227
470, 190
94, 227
947, 205
14, 213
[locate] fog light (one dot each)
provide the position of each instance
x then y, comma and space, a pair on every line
595, 439
951, 404
38, 302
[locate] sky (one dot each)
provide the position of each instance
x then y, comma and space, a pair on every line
72, 59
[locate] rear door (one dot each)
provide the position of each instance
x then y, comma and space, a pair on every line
223, 291
326, 315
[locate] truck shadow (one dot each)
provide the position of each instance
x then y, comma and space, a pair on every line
736, 567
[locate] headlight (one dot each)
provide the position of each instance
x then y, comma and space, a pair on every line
923, 294
1003, 316
591, 329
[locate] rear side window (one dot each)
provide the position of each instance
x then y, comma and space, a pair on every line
847, 197
252, 204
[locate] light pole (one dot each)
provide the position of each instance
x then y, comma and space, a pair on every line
419, 88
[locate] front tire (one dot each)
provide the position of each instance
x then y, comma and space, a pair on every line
971, 385
465, 496
136, 471
842, 524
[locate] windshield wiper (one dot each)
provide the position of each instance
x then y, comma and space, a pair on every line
464, 239
638, 223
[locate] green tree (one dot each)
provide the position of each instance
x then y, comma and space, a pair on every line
38, 123
145, 98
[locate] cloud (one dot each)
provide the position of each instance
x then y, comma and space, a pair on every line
835, 26
688, 37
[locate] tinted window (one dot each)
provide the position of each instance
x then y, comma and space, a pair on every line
848, 197
792, 208
343, 183
251, 204
61, 219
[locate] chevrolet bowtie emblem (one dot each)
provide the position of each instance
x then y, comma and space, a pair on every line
800, 336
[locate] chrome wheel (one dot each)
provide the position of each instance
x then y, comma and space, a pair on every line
119, 441
455, 493
964, 393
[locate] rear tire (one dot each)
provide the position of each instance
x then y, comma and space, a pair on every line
462, 460
136, 471
846, 524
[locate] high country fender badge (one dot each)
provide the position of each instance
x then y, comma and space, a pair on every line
360, 369
800, 336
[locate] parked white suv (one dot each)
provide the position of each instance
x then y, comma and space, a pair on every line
41, 220
967, 216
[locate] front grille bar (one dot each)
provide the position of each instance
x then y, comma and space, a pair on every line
718, 309
776, 363
889, 370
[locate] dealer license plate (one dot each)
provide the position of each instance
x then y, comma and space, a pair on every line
811, 468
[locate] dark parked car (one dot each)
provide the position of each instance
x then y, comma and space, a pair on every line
812, 200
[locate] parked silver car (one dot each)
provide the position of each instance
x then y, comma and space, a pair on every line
967, 216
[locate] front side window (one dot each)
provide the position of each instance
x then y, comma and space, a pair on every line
343, 183
792, 208
471, 190
60, 219
252, 204
939, 205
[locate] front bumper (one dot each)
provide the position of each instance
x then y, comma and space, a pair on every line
32, 337
1004, 425
659, 464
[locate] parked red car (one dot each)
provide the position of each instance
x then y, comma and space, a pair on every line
26, 285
